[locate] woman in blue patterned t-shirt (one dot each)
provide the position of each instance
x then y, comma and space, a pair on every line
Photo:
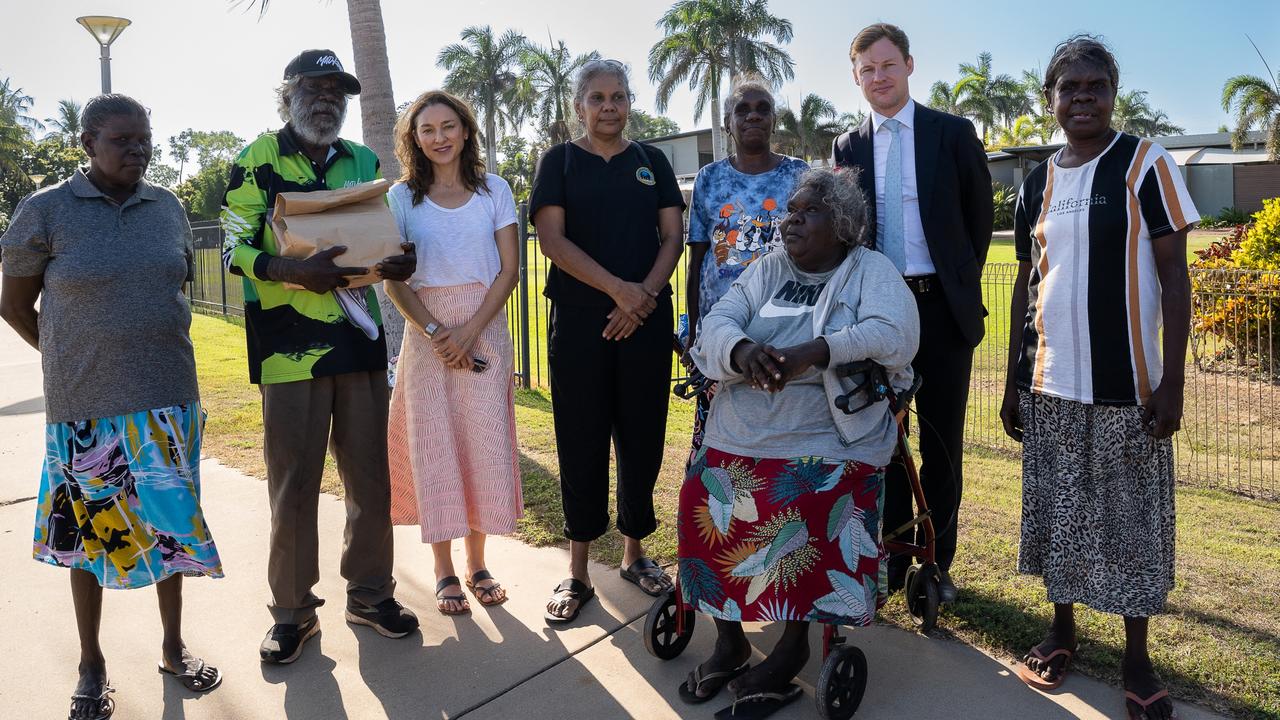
738, 204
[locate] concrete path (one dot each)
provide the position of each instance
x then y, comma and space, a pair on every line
499, 663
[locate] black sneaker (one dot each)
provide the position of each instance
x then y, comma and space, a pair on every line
389, 618
946, 589
283, 643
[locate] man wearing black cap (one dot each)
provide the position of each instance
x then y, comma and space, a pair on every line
319, 358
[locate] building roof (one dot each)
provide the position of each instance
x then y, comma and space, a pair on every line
677, 136
1202, 149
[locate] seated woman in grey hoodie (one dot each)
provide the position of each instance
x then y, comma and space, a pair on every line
779, 514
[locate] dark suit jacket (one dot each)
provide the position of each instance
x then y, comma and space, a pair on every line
954, 187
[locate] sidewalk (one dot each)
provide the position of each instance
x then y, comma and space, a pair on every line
498, 663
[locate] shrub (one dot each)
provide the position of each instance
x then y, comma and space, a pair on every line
1003, 198
1260, 247
1236, 293
1227, 217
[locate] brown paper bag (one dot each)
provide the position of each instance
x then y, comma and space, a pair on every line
306, 223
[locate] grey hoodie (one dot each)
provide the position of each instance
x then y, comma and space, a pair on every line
863, 310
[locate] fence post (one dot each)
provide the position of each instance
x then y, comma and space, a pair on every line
222, 271
526, 380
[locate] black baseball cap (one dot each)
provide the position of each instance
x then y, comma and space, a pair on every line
314, 63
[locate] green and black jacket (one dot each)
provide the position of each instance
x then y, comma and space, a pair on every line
293, 334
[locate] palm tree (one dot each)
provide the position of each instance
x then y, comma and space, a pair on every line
482, 69
15, 127
377, 102
67, 124
988, 98
550, 72
1134, 115
851, 120
1046, 125
809, 134
944, 97
707, 41
1022, 132
1257, 103
14, 106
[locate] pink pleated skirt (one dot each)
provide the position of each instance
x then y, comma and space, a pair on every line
452, 434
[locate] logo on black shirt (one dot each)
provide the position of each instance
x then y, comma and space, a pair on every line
645, 175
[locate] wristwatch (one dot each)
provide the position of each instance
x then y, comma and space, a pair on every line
431, 329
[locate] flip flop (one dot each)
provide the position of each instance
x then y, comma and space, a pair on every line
1033, 678
191, 679
1144, 704
459, 598
690, 687
573, 589
647, 568
758, 706
485, 594
104, 705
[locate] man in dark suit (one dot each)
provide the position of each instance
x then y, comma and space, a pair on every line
927, 173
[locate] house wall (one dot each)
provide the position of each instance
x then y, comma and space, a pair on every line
682, 152
1253, 183
1003, 170
1212, 187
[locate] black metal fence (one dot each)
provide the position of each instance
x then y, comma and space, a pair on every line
1231, 425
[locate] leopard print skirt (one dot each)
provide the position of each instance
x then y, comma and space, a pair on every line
1097, 506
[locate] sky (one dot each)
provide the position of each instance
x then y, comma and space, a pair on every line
206, 65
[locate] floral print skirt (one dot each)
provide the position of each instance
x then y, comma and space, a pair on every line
120, 498
767, 539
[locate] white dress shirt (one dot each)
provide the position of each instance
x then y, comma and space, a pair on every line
919, 261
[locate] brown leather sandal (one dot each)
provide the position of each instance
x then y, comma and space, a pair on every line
488, 596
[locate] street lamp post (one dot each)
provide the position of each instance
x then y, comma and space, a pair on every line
105, 29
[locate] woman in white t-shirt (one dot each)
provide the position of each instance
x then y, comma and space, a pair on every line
1094, 389
451, 436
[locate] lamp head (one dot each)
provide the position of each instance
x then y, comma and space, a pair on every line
104, 28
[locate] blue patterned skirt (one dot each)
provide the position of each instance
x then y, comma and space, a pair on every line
120, 498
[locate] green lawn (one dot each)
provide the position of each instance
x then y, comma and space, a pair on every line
1002, 245
1219, 644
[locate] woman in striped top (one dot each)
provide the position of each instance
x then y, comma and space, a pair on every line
1100, 235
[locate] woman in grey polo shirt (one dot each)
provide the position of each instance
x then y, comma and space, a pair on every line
107, 254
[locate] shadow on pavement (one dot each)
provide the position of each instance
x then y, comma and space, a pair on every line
30, 406
311, 690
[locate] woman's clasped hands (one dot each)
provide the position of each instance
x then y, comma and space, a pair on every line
453, 345
633, 303
767, 368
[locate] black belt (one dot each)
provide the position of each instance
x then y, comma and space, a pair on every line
923, 284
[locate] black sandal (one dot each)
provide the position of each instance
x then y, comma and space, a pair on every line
570, 589
196, 680
760, 705
689, 689
102, 705
646, 569
485, 595
460, 599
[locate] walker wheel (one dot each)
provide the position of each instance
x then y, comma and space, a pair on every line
841, 683
661, 636
922, 595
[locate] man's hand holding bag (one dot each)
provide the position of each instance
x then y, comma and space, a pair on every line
313, 229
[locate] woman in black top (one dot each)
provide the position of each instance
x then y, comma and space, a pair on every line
608, 214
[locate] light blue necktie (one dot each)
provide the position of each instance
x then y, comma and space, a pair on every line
892, 243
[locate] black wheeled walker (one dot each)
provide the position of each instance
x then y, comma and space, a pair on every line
668, 627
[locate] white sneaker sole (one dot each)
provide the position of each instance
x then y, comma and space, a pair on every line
357, 620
